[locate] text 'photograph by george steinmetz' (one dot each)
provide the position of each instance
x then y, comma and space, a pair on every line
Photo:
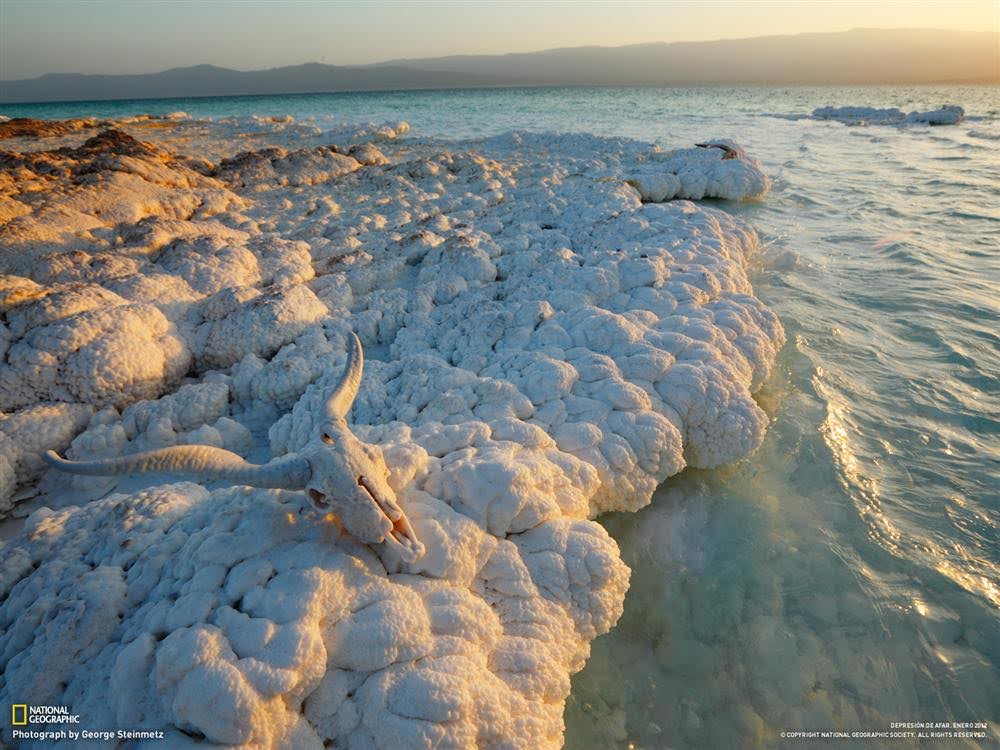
473, 375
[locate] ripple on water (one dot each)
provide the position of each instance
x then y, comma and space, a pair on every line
851, 568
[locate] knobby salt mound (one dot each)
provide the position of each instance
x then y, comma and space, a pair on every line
543, 346
946, 115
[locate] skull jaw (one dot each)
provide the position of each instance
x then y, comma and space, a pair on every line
379, 528
404, 540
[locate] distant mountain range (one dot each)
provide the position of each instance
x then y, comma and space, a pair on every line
211, 80
857, 57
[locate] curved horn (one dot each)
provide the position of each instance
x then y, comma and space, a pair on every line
728, 151
338, 403
198, 461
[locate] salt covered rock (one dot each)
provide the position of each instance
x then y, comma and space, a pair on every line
946, 115
26, 434
275, 167
350, 134
241, 321
85, 344
715, 169
76, 194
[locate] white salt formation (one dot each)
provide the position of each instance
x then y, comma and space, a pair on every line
715, 169
544, 342
946, 115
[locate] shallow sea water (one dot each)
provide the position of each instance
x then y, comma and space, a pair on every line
847, 575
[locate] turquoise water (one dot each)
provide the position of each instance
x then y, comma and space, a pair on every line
848, 575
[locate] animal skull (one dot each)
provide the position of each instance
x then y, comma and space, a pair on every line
339, 473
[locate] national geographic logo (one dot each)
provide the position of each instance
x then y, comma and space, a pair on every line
46, 723
56, 724
22, 714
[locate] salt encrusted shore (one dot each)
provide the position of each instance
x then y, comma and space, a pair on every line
545, 341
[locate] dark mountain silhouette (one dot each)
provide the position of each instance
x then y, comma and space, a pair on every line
210, 80
861, 56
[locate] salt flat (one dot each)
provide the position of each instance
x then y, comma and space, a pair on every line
541, 346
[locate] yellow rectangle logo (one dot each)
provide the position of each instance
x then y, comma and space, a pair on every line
22, 709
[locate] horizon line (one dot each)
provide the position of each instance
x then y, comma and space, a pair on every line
426, 89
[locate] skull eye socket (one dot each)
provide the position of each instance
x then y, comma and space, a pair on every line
327, 439
318, 499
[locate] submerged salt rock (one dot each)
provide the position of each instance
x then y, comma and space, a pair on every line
946, 115
858, 115
282, 261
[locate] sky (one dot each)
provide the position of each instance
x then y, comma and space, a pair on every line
144, 36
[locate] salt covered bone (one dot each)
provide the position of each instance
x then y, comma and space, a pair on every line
339, 472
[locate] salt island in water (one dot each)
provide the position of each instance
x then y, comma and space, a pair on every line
551, 328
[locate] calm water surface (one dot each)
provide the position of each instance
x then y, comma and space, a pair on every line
847, 575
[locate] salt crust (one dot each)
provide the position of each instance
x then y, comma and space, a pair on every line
545, 342
946, 115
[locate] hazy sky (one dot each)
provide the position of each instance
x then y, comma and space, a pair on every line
142, 36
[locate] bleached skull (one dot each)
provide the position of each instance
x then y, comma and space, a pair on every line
339, 473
